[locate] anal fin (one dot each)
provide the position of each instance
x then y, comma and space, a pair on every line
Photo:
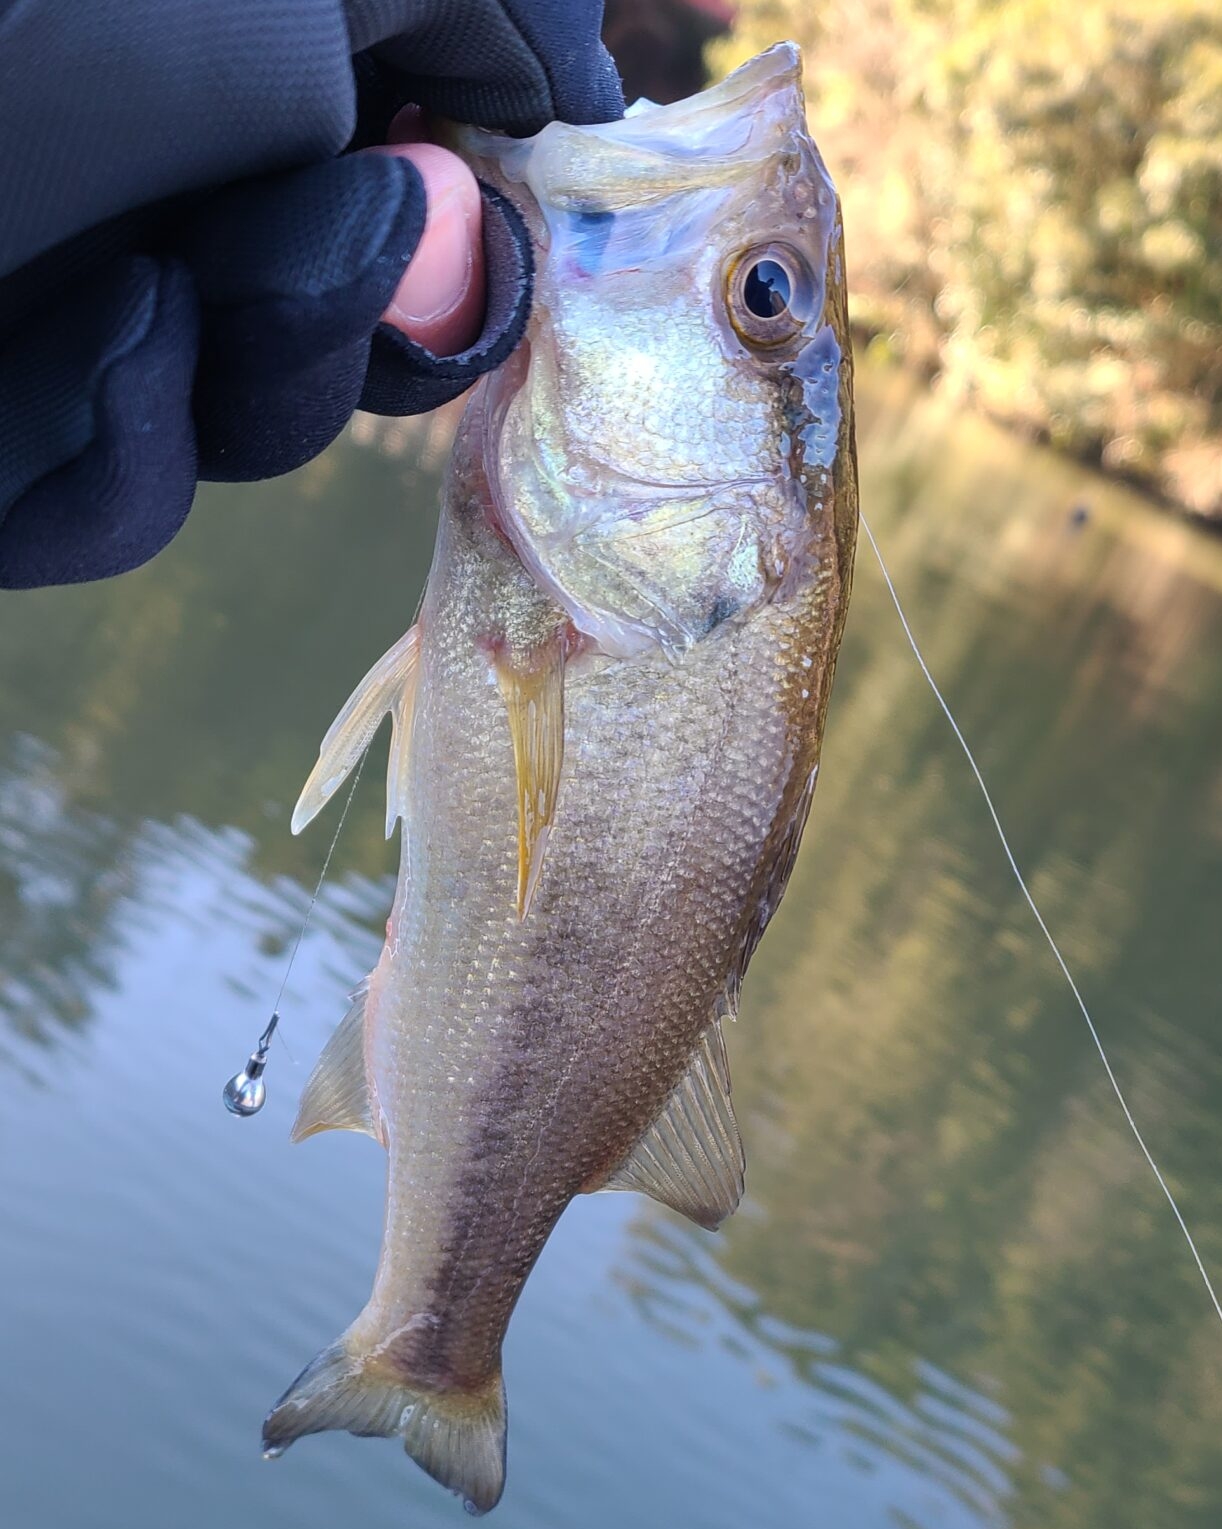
533, 690
390, 686
691, 1158
338, 1095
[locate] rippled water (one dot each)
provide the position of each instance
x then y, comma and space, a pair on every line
953, 1297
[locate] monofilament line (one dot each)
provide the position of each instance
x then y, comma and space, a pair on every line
322, 876
1039, 919
245, 1093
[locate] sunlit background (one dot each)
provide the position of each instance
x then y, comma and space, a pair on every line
1032, 192
953, 1297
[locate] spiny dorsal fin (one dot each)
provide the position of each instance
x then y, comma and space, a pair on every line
389, 686
338, 1095
776, 874
534, 700
691, 1158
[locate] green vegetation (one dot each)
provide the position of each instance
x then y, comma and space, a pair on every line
1033, 203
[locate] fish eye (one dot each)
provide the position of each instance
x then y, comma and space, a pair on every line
769, 295
766, 289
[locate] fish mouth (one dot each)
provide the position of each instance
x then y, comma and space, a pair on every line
718, 137
639, 554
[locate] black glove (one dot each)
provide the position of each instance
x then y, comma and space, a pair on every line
191, 282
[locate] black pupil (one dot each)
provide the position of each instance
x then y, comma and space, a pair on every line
766, 290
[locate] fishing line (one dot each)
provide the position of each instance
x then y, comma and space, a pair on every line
1039, 919
246, 1093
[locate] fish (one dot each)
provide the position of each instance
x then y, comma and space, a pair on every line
606, 728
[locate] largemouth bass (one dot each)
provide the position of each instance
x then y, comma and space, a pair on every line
606, 732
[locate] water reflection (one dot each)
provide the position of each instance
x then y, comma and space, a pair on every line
932, 1449
77, 885
953, 1296
60, 876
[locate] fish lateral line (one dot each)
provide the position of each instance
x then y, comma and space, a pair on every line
1012, 861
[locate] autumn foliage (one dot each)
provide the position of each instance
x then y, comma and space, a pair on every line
1033, 202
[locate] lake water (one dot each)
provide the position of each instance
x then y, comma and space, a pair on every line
953, 1297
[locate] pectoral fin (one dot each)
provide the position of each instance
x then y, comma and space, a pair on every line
390, 686
691, 1158
338, 1095
534, 700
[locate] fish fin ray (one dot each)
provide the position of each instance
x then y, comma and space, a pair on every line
776, 879
691, 1158
534, 702
388, 687
400, 753
462, 1446
338, 1095
458, 1437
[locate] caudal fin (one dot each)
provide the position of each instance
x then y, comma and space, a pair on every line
457, 1436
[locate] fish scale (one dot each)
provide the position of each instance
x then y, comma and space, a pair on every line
604, 747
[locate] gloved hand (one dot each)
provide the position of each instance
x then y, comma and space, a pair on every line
192, 271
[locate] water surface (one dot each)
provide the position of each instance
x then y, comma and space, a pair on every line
953, 1297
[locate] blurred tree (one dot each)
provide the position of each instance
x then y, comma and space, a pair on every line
1033, 198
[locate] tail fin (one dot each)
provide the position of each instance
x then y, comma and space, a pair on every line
458, 1437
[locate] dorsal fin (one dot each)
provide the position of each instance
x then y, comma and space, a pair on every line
339, 1095
390, 686
533, 689
691, 1158
775, 878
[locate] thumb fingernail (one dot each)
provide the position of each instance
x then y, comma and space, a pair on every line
439, 302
